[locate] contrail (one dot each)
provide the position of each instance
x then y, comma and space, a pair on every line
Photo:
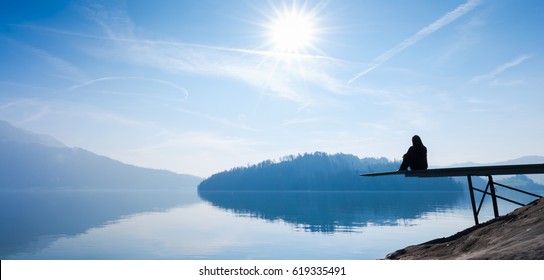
427, 30
502, 68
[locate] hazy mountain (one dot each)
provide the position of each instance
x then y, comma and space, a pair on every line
9, 133
521, 160
538, 178
33, 161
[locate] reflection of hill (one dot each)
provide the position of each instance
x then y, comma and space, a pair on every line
334, 211
33, 219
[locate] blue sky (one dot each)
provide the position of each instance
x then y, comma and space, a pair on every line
198, 87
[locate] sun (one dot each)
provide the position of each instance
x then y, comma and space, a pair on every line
293, 30
292, 33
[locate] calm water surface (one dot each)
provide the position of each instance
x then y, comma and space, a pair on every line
262, 225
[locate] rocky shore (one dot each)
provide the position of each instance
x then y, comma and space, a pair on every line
518, 235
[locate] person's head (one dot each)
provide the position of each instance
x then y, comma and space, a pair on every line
416, 141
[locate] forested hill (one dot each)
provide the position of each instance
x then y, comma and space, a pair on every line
321, 172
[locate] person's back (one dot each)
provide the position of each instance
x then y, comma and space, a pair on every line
416, 157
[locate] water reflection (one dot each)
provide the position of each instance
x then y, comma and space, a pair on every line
359, 225
32, 220
228, 225
330, 212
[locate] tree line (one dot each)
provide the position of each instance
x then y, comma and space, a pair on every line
320, 171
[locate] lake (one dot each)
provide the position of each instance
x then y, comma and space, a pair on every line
183, 225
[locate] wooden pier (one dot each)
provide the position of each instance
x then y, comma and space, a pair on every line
480, 171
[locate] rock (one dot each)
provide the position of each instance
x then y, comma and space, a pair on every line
518, 235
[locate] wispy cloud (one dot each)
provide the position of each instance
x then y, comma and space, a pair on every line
27, 110
57, 66
268, 72
291, 122
214, 119
301, 78
220, 151
426, 31
285, 76
37, 110
181, 91
501, 68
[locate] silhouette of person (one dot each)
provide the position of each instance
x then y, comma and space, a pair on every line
416, 157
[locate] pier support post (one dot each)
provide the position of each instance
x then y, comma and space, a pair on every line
493, 196
471, 191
